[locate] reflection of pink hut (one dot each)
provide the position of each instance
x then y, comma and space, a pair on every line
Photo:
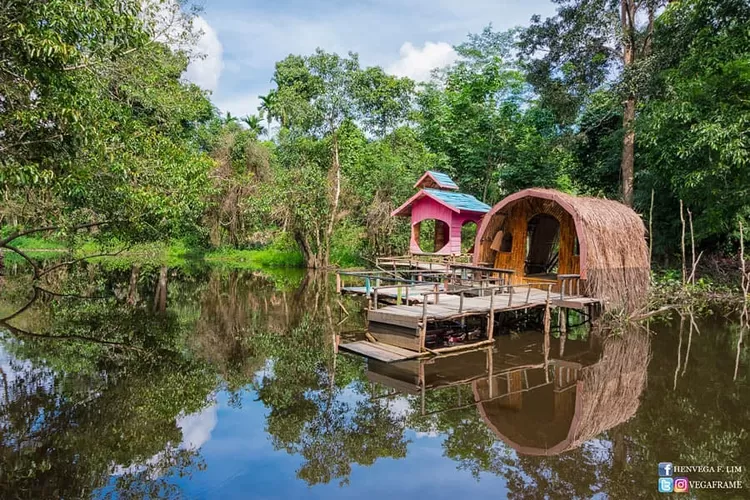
438, 199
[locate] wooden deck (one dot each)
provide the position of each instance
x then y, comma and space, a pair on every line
445, 306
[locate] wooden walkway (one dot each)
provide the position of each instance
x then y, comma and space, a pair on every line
445, 306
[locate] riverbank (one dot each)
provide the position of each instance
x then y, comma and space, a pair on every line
113, 254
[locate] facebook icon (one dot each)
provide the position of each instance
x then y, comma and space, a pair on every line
665, 468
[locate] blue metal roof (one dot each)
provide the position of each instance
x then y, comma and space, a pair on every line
443, 179
460, 201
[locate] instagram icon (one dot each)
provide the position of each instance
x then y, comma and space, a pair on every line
681, 485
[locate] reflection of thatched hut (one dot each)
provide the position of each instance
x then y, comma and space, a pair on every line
541, 234
580, 403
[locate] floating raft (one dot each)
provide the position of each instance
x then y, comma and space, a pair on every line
379, 351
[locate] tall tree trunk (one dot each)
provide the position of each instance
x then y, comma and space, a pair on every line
160, 296
135, 271
627, 18
627, 165
334, 202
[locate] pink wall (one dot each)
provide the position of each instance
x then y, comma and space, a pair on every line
426, 208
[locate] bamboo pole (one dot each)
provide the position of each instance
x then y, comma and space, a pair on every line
464, 347
651, 229
547, 314
423, 330
684, 270
745, 314
338, 283
693, 260
491, 318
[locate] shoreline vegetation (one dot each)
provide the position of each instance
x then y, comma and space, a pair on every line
715, 285
108, 151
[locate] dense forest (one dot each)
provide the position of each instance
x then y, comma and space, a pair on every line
101, 137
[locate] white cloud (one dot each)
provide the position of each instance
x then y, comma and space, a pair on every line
196, 431
197, 427
417, 63
208, 60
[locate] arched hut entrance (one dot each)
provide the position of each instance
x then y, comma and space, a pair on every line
545, 236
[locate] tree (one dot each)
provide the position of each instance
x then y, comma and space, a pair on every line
694, 126
479, 113
589, 46
316, 95
253, 123
98, 125
384, 101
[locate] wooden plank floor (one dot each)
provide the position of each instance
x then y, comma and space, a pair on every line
382, 352
448, 307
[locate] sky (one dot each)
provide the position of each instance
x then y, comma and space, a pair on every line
242, 40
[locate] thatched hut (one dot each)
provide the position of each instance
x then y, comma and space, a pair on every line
579, 404
543, 234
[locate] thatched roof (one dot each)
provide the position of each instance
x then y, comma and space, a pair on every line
604, 395
612, 245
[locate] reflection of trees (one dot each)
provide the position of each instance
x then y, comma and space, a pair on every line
681, 425
312, 416
97, 390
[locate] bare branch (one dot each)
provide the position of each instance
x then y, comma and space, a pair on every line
27, 258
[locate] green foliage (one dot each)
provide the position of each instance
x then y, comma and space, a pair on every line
97, 117
481, 116
695, 128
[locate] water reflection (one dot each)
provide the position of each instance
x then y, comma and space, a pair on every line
208, 382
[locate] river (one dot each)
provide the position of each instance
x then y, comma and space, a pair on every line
214, 383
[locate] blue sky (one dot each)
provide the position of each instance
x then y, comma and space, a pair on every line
242, 40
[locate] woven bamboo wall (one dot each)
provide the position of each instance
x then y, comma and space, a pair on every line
516, 221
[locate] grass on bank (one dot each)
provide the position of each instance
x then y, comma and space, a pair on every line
278, 254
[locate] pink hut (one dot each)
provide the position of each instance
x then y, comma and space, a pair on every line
439, 200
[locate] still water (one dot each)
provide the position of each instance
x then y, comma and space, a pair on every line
206, 383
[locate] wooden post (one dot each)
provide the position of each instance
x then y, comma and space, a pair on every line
338, 283
491, 318
423, 331
547, 335
461, 302
528, 294
375, 299
437, 293
510, 297
562, 319
491, 368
